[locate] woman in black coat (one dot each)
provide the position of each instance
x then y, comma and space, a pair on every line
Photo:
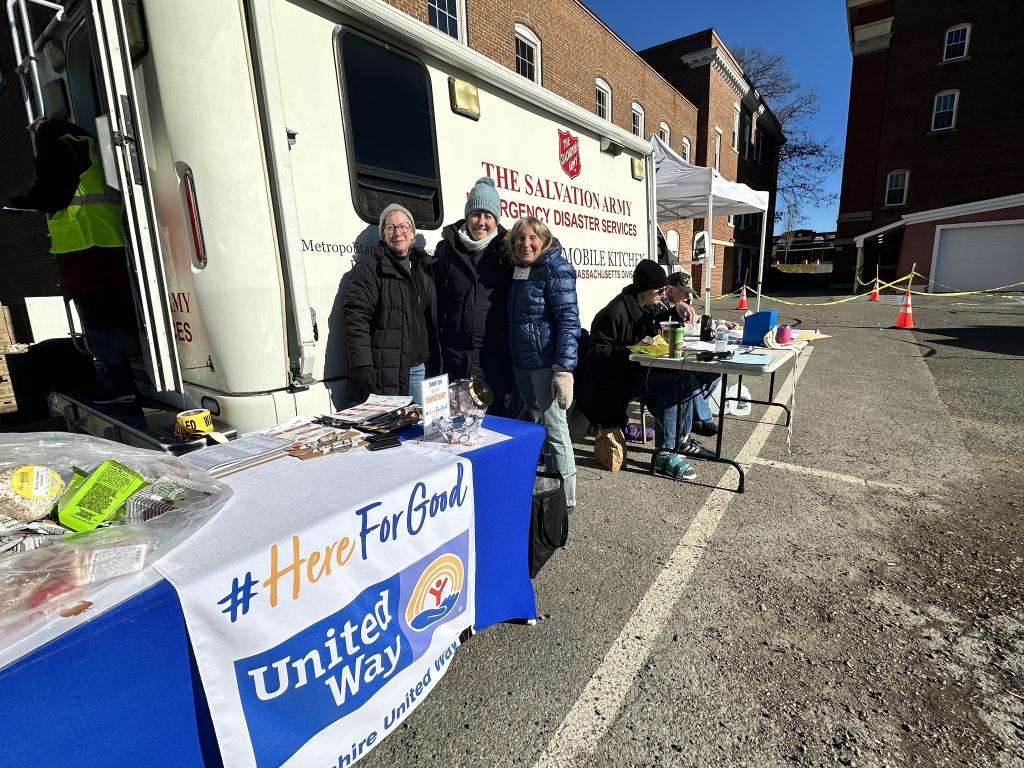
472, 275
390, 315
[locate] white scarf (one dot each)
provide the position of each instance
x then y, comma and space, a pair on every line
474, 246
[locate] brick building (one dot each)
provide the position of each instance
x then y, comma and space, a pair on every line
564, 47
934, 171
736, 133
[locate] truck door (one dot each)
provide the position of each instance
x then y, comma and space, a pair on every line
132, 178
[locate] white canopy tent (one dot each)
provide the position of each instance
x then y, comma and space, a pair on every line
684, 191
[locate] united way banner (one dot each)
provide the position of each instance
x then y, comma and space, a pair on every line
318, 631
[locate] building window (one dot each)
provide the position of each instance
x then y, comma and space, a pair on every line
718, 150
957, 39
638, 120
664, 132
603, 99
896, 187
447, 16
527, 53
944, 111
759, 135
745, 138
736, 128
686, 149
731, 220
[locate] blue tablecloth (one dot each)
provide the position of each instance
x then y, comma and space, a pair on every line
123, 689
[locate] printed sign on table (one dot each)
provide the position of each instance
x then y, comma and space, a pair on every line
436, 404
322, 637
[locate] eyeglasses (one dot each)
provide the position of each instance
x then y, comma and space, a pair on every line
403, 228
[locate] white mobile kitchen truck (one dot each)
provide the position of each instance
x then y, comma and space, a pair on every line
255, 142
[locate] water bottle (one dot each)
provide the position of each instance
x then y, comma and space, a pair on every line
721, 337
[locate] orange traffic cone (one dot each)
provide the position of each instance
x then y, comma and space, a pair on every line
742, 303
874, 292
905, 319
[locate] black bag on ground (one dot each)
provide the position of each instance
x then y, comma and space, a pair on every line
549, 520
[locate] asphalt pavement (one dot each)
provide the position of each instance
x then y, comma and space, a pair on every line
861, 604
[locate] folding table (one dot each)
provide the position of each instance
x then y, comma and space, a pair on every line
689, 362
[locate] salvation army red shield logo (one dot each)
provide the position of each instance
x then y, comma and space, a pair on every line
569, 153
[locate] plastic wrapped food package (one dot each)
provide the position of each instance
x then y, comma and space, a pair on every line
44, 567
27, 492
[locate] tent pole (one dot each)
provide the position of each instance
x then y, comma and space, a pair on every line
760, 258
709, 256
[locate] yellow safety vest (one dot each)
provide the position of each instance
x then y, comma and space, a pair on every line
94, 215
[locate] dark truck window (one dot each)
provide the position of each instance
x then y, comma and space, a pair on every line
389, 122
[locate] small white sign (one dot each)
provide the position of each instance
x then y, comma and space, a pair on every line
435, 402
521, 273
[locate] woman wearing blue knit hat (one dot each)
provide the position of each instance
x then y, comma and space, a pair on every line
472, 277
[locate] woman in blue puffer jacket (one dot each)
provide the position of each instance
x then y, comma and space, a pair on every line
544, 332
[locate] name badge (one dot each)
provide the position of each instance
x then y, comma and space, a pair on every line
521, 273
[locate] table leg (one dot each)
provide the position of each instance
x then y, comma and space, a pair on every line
679, 411
721, 415
769, 402
718, 441
721, 434
679, 423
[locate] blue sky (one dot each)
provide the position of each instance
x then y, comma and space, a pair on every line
811, 34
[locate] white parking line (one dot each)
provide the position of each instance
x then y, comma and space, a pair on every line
599, 705
828, 475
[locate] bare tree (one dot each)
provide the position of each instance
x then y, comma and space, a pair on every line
804, 160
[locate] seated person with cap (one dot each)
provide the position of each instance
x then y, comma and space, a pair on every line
611, 379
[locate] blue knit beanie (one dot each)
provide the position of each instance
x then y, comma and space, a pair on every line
484, 197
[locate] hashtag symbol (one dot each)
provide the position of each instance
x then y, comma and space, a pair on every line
239, 596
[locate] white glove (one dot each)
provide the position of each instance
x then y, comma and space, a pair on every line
561, 387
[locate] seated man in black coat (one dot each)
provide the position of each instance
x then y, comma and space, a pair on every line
611, 380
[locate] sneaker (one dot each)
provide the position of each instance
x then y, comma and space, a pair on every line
692, 448
673, 465
705, 428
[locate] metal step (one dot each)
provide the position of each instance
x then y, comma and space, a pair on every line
143, 424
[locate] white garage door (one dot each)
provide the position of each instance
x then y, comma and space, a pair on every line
979, 256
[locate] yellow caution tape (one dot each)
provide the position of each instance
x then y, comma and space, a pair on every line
809, 303
726, 295
197, 422
892, 284
962, 293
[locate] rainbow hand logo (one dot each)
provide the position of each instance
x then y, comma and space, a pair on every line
436, 592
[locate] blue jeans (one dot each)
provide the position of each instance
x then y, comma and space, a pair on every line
705, 385
660, 388
416, 375
535, 389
